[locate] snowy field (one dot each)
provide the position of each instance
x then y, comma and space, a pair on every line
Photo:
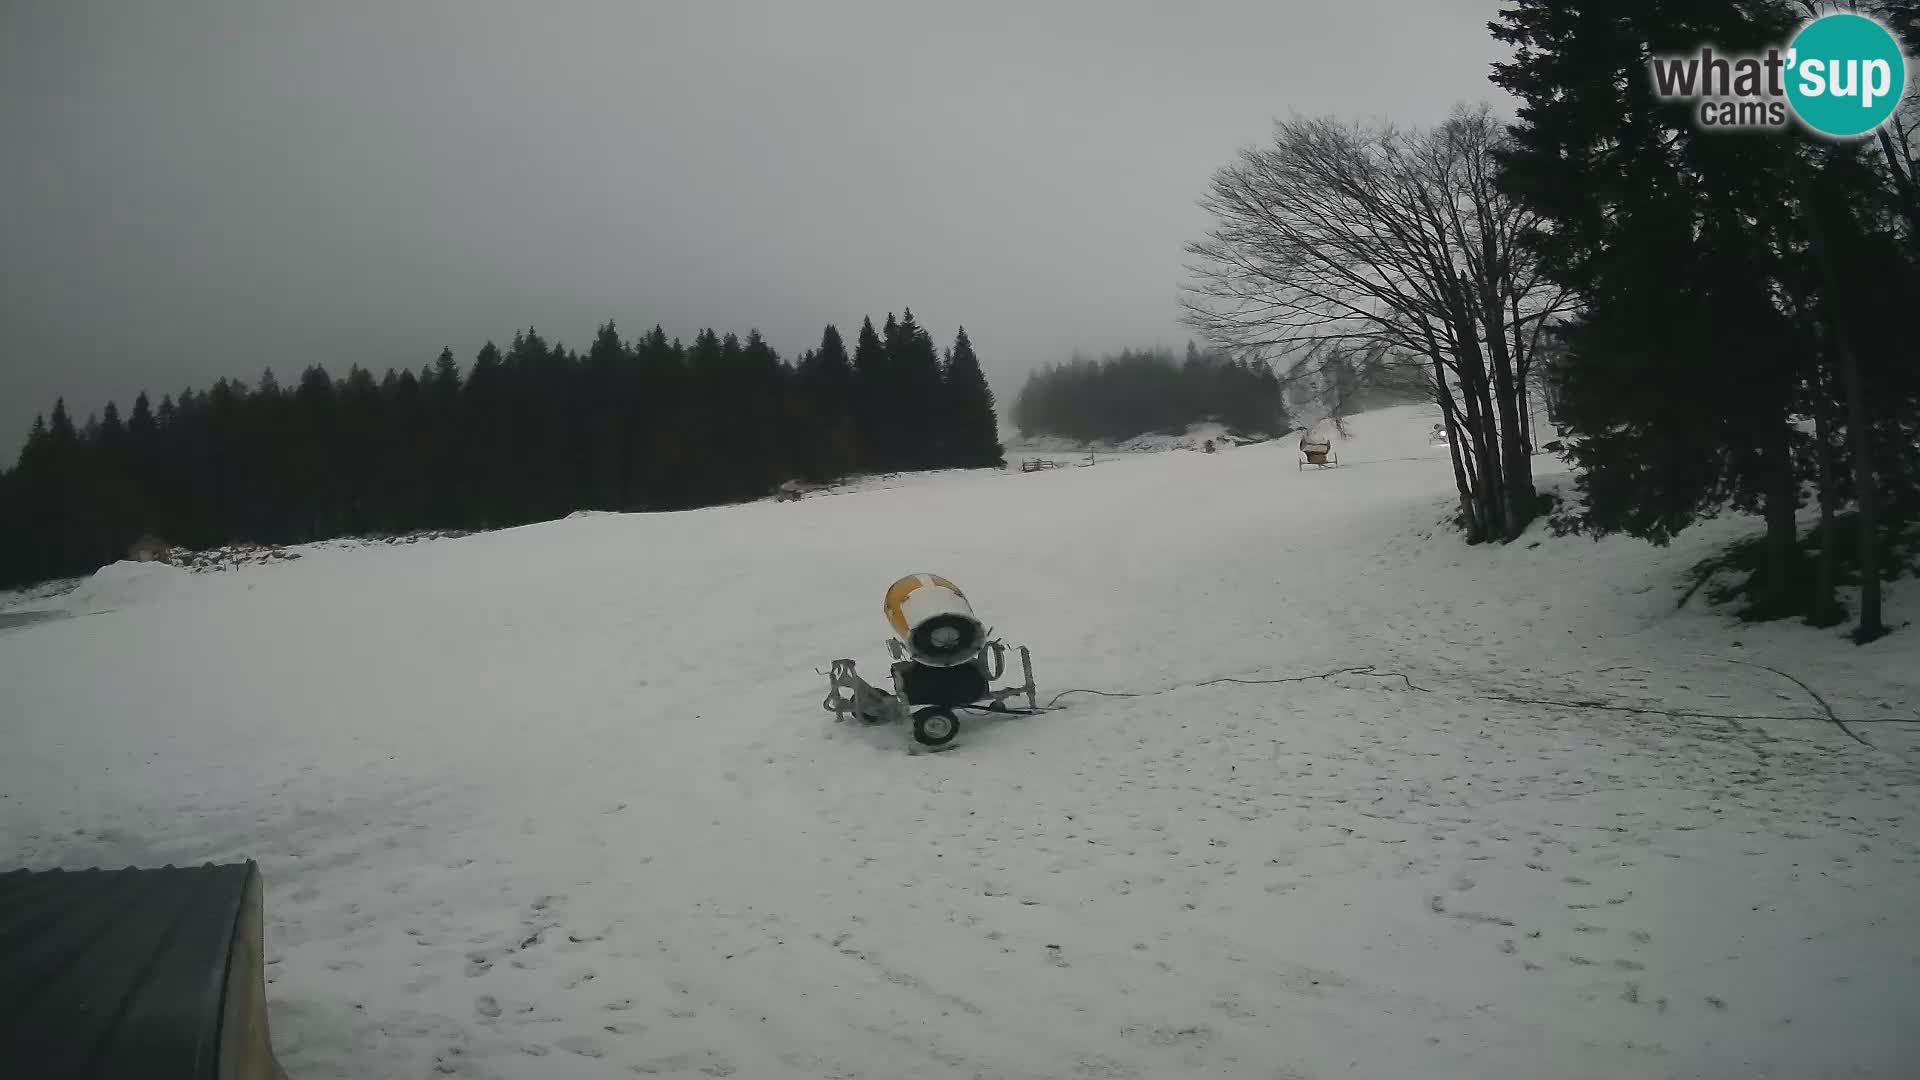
560, 801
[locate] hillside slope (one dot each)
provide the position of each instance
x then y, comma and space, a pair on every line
560, 801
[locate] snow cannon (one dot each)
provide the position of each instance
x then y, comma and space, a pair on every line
931, 617
944, 659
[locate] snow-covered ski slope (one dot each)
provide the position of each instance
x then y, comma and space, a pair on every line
560, 801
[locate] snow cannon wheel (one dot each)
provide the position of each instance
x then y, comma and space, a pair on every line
935, 725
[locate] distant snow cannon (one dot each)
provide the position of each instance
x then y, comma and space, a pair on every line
1317, 445
944, 657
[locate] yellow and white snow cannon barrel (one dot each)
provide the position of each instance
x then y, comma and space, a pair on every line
931, 617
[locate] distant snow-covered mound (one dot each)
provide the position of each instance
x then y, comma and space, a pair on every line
1193, 438
34, 597
123, 584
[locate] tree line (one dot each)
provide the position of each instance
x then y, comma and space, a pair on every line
1717, 320
1743, 335
528, 433
1141, 391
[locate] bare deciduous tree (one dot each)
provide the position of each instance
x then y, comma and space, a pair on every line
1380, 247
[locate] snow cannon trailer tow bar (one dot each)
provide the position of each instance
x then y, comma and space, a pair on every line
944, 658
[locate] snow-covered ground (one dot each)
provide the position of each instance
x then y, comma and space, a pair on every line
560, 801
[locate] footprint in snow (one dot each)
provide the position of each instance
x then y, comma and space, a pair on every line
583, 1045
487, 1005
706, 1062
1196, 1036
1231, 1006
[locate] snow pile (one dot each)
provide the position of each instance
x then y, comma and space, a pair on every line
1193, 438
229, 557
121, 585
937, 478
35, 596
419, 536
560, 801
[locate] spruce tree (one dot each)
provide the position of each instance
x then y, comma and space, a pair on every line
1683, 375
873, 398
60, 427
917, 394
765, 431
608, 383
141, 427
707, 472
974, 427
485, 443
825, 386
16, 554
656, 414
37, 481
440, 387
359, 440
407, 450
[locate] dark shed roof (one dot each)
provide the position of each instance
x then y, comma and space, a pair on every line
117, 973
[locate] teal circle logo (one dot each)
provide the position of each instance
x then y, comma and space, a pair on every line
1846, 75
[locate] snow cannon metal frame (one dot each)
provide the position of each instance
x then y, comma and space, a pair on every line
1319, 454
1324, 459
1317, 448
944, 658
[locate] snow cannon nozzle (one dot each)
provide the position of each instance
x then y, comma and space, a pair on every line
931, 617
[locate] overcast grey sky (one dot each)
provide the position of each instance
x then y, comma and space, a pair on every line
195, 189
